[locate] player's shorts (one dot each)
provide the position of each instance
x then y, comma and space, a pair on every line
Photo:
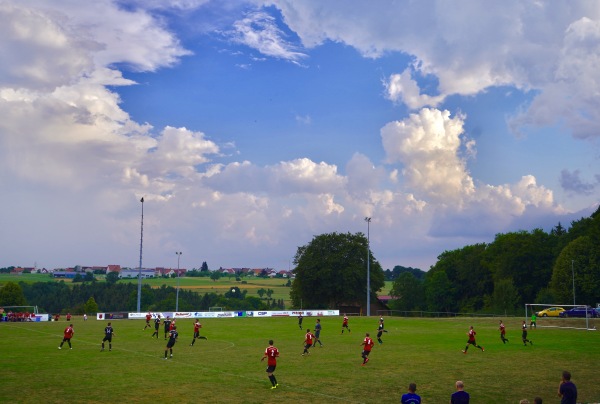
107, 338
271, 368
366, 353
317, 334
170, 343
306, 346
472, 342
379, 334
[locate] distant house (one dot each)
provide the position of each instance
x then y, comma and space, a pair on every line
113, 268
133, 273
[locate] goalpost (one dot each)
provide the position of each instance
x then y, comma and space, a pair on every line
577, 323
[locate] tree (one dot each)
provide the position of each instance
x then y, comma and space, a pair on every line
204, 267
261, 292
11, 294
90, 306
331, 270
215, 275
408, 291
505, 296
439, 293
78, 278
89, 277
579, 260
112, 277
270, 293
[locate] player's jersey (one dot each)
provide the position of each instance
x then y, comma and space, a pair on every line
318, 327
368, 343
309, 338
69, 332
380, 328
108, 331
472, 334
197, 327
272, 354
345, 321
156, 322
148, 317
502, 329
173, 334
172, 325
167, 324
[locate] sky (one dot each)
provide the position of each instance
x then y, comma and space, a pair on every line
250, 127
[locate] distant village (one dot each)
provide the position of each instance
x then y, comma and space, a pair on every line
70, 273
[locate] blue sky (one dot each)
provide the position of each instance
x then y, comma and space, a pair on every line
251, 126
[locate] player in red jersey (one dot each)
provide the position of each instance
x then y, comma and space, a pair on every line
345, 324
197, 327
471, 341
503, 332
68, 334
367, 344
68, 316
271, 353
148, 318
308, 341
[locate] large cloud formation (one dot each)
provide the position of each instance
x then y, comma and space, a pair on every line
72, 160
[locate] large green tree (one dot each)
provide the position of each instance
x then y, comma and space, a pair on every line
11, 294
409, 293
331, 270
579, 263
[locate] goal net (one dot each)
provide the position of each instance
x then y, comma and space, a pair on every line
578, 317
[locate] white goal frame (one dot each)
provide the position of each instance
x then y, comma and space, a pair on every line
564, 306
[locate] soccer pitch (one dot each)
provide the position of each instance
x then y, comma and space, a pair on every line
227, 367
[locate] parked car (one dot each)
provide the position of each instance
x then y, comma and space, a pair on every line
550, 312
580, 312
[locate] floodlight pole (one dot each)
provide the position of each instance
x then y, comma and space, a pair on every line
573, 274
368, 220
177, 298
139, 294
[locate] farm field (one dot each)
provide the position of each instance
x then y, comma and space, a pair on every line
196, 284
227, 367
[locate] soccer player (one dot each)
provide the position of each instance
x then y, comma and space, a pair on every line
345, 324
108, 334
524, 334
68, 316
367, 344
460, 396
271, 353
503, 332
156, 326
471, 341
411, 397
380, 331
197, 327
308, 341
318, 333
148, 318
533, 323
68, 334
167, 326
300, 318
173, 334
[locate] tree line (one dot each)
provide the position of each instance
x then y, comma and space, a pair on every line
59, 297
515, 269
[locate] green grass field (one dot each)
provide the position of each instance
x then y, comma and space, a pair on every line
227, 367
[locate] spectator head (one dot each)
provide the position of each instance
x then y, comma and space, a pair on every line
270, 342
460, 385
566, 375
412, 387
